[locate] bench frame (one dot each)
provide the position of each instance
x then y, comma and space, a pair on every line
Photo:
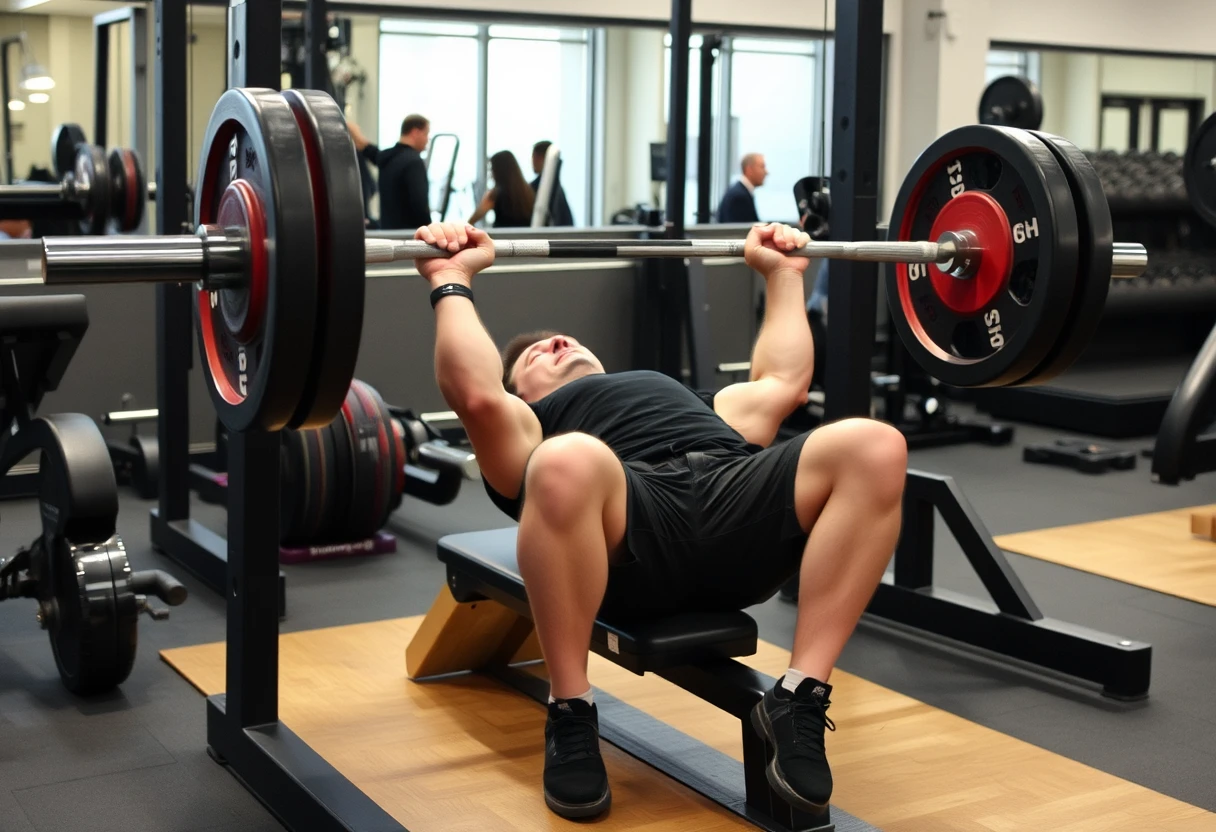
482, 623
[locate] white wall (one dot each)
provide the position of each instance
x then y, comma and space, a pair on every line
1174, 26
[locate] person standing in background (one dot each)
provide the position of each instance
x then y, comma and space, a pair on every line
561, 213
404, 189
510, 199
739, 202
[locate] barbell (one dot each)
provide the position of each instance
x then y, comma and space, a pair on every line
1001, 244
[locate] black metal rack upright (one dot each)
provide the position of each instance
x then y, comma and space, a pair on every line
175, 534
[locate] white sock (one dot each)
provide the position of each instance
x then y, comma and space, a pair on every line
792, 679
587, 697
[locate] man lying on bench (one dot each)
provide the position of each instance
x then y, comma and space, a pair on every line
645, 497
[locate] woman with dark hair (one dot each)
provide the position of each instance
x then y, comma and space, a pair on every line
511, 197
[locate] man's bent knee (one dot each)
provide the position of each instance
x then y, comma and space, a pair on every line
570, 474
866, 449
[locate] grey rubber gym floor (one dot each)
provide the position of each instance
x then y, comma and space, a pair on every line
136, 760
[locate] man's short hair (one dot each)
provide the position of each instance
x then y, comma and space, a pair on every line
515, 348
541, 148
749, 160
414, 122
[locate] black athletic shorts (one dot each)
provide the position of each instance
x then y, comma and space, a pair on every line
708, 532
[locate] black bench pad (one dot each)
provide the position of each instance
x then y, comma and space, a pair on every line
484, 562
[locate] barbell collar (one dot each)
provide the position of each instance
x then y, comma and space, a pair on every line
1128, 260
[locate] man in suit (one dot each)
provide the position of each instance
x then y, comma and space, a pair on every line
404, 189
560, 213
739, 202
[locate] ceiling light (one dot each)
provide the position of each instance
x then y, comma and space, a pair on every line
16, 104
34, 77
38, 98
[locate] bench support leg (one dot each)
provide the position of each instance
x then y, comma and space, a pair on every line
457, 636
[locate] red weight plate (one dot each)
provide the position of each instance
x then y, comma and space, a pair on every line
999, 343
254, 138
979, 213
391, 461
371, 447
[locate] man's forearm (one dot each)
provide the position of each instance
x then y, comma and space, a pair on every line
784, 349
467, 365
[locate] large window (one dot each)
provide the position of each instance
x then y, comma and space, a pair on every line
772, 111
538, 89
775, 97
450, 52
534, 87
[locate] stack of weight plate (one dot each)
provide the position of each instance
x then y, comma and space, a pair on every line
341, 482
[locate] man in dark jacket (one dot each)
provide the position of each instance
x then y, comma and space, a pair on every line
560, 213
739, 202
404, 189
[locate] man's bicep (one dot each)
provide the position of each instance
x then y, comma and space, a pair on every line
755, 409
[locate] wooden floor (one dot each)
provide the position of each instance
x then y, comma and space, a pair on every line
1155, 551
465, 753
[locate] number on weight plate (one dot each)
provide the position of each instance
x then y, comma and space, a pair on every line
1023, 231
956, 178
992, 320
917, 270
242, 363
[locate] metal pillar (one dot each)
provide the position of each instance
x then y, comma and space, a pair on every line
853, 287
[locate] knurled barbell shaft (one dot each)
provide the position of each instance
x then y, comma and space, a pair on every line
1129, 259
387, 251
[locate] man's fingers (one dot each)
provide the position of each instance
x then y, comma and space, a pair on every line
462, 235
424, 234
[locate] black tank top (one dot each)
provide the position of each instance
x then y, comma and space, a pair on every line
643, 416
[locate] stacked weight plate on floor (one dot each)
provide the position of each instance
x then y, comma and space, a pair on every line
341, 482
1037, 207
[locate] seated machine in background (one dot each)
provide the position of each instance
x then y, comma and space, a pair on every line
88, 597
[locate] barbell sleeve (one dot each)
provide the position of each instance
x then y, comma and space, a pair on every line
185, 258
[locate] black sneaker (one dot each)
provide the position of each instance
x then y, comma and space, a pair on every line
793, 725
576, 782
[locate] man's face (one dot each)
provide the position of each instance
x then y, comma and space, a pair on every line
538, 162
419, 138
757, 172
548, 364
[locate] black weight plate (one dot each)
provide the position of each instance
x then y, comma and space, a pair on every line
1012, 101
85, 625
63, 148
366, 495
91, 170
338, 193
293, 487
255, 341
128, 190
1199, 170
126, 610
337, 507
386, 444
1097, 236
992, 329
314, 462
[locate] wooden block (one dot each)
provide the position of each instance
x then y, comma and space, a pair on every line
1203, 524
455, 637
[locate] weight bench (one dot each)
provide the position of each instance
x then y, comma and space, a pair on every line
481, 621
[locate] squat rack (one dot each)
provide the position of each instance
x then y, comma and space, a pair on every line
243, 728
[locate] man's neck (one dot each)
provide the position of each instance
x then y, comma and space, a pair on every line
747, 183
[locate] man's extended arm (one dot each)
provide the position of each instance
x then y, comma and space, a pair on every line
783, 358
468, 369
